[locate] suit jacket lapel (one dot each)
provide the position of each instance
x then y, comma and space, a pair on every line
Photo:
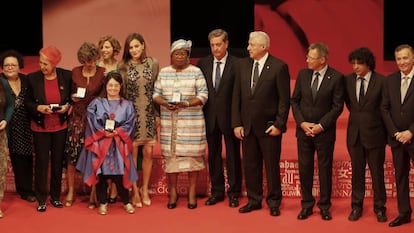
352, 89
371, 86
41, 89
326, 79
248, 76
209, 73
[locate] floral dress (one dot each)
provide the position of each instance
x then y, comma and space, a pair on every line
77, 116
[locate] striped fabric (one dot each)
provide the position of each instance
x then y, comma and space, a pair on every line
182, 132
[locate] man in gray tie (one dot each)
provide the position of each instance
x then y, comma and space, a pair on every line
218, 69
316, 116
259, 119
398, 114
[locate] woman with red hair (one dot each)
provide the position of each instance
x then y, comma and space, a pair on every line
48, 101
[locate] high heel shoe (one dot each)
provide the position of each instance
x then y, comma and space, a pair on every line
145, 198
173, 205
69, 203
91, 205
192, 205
137, 202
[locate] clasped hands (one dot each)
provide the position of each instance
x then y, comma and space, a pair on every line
177, 105
46, 109
111, 134
273, 131
311, 129
404, 136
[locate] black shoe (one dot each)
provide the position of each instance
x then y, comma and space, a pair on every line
274, 211
381, 216
214, 200
173, 204
192, 206
29, 198
249, 208
41, 207
57, 204
355, 214
326, 215
401, 219
305, 213
233, 202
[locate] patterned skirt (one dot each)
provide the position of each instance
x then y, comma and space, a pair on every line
75, 140
3, 162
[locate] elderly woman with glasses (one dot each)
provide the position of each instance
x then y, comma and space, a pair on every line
20, 141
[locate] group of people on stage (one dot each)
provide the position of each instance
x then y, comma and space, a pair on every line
95, 118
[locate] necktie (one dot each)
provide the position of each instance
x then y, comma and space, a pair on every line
361, 90
315, 85
255, 75
404, 88
218, 75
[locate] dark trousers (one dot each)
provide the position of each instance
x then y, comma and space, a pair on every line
102, 188
375, 158
23, 174
49, 146
401, 157
306, 157
233, 163
256, 152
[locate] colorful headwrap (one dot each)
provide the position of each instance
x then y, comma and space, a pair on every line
181, 44
52, 54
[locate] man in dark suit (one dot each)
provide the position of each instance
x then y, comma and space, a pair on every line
317, 101
366, 134
260, 110
219, 73
398, 114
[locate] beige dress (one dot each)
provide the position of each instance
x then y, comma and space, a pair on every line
138, 87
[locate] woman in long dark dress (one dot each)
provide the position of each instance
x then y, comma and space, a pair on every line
19, 133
